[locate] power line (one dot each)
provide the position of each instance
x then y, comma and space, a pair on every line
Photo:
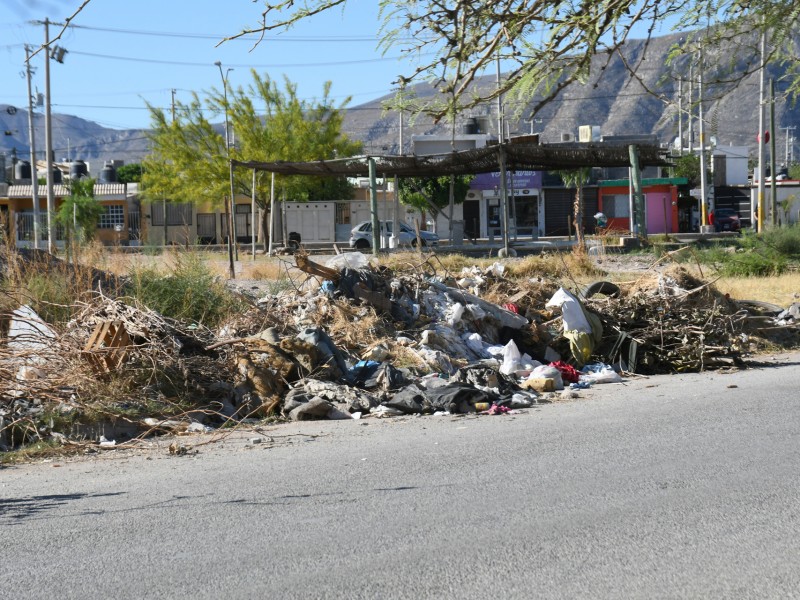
241, 65
219, 36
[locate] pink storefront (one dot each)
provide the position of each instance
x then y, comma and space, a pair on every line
661, 204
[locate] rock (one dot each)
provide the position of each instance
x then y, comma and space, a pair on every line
353, 398
316, 408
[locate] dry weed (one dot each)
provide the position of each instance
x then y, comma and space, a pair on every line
558, 266
782, 290
355, 327
265, 269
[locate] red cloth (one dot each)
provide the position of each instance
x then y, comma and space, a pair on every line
512, 307
568, 373
496, 410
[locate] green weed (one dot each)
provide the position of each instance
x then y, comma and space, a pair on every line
190, 292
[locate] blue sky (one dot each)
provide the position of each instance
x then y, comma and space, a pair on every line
125, 53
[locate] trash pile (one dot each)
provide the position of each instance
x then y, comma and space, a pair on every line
356, 340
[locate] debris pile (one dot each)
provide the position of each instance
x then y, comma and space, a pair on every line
355, 341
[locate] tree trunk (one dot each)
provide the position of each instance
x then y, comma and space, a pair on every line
579, 219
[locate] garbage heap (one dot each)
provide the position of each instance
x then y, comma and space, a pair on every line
356, 340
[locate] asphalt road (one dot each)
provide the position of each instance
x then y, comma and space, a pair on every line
669, 487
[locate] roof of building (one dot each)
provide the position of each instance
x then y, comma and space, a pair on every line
645, 182
60, 190
526, 156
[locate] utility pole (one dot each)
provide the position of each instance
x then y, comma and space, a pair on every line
499, 106
691, 109
173, 105
231, 202
760, 205
48, 138
396, 218
680, 116
32, 143
703, 182
503, 162
773, 204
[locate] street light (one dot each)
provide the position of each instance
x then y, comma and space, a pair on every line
230, 205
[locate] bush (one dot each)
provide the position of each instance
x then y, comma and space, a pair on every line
190, 292
784, 240
752, 259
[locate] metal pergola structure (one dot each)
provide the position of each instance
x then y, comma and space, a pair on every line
489, 159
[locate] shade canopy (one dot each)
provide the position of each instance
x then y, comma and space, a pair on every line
518, 157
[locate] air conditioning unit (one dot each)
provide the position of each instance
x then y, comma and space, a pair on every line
567, 137
588, 133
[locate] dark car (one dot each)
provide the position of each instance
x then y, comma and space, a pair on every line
726, 219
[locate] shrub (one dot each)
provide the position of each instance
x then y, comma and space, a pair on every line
784, 240
752, 259
189, 292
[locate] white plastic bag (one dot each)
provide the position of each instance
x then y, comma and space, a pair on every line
511, 359
454, 313
571, 311
353, 260
548, 372
605, 375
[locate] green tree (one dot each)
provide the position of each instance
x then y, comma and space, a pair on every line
688, 166
435, 189
794, 171
189, 163
432, 193
577, 178
79, 212
129, 173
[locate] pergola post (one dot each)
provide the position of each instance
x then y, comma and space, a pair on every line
638, 204
501, 158
373, 206
271, 214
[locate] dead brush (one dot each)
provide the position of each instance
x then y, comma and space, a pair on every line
403, 357
355, 327
558, 266
52, 287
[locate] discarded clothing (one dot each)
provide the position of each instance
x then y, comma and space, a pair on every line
568, 373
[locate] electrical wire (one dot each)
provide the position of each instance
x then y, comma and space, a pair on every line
216, 36
241, 65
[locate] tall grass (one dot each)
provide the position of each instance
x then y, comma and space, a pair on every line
49, 286
188, 291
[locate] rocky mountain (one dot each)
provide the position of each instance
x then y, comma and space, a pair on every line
618, 103
73, 137
612, 100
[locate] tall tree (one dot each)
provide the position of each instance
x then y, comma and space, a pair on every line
432, 193
189, 162
129, 173
79, 212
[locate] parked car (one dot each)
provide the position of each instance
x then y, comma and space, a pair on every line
726, 219
361, 235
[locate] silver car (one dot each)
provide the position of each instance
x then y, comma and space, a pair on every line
361, 235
